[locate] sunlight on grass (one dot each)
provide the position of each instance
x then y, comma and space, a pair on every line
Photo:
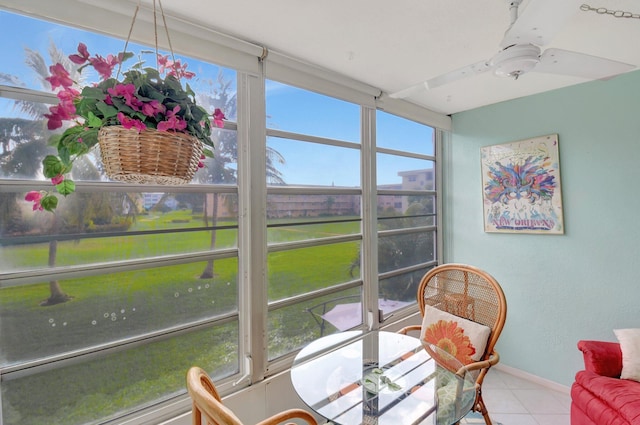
116, 306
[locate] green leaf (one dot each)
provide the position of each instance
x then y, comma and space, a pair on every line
52, 166
125, 55
90, 139
90, 92
75, 148
92, 120
190, 91
64, 155
49, 202
150, 73
66, 187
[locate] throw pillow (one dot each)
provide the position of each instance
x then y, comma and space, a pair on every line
630, 346
462, 338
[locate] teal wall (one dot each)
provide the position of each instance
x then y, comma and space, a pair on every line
559, 288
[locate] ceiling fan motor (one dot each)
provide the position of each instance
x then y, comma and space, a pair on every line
515, 60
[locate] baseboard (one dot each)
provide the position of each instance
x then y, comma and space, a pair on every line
533, 378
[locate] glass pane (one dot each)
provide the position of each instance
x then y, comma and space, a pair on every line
100, 309
402, 287
93, 391
302, 270
300, 217
106, 226
223, 167
398, 251
23, 142
401, 134
315, 164
293, 327
399, 172
215, 86
398, 212
292, 231
305, 112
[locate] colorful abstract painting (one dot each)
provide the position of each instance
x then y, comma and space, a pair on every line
521, 187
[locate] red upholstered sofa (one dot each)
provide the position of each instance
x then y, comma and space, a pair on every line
598, 395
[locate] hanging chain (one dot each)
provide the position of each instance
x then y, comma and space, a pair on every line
605, 11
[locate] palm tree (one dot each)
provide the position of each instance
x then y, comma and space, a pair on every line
217, 169
26, 157
21, 140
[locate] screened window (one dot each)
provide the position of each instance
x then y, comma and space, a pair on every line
313, 213
106, 304
99, 300
406, 200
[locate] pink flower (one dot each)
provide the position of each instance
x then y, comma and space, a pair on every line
59, 113
162, 62
172, 122
69, 94
218, 116
59, 77
175, 69
82, 57
34, 197
103, 66
130, 123
57, 179
128, 92
153, 108
201, 162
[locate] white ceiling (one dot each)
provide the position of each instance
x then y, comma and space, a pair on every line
392, 45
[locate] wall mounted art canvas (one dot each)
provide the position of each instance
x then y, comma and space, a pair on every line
521, 187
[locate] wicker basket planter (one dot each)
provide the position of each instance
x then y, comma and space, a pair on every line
151, 156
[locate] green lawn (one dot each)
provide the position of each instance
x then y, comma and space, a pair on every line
113, 307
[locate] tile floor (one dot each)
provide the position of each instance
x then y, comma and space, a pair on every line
512, 400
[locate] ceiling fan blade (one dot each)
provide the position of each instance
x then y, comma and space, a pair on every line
540, 21
565, 62
458, 74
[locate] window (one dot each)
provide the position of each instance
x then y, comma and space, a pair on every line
406, 230
105, 305
314, 212
99, 301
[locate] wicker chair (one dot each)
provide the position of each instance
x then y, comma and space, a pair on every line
468, 292
208, 406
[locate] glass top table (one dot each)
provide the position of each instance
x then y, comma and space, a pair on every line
385, 378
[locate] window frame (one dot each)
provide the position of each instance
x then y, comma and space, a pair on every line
252, 247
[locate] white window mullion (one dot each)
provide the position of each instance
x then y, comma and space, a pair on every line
443, 252
369, 252
253, 226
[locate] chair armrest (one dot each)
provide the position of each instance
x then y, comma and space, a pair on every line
601, 357
493, 359
410, 328
286, 415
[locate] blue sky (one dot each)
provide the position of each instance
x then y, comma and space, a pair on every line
288, 108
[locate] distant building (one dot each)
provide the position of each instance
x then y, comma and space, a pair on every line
311, 205
418, 179
151, 199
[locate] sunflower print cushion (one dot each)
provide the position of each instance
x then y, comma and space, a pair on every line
463, 339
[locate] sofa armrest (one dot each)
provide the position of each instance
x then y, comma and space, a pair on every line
601, 357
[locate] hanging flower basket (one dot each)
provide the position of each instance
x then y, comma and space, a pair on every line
149, 156
148, 125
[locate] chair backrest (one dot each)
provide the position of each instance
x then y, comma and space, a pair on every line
207, 403
468, 292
